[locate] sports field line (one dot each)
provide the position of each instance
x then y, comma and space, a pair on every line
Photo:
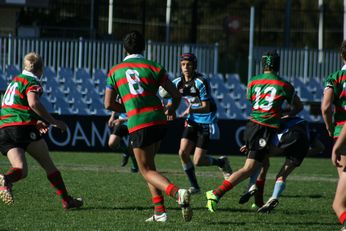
208, 174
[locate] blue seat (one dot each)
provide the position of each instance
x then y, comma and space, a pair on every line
99, 77
302, 90
315, 87
81, 75
48, 105
12, 70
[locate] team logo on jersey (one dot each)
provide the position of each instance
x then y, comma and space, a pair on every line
193, 90
33, 135
262, 142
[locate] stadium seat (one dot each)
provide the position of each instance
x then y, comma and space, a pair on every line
99, 77
48, 105
232, 81
12, 70
81, 75
315, 87
302, 90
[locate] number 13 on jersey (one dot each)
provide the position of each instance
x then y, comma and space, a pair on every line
269, 95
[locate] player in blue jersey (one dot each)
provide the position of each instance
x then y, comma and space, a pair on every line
201, 121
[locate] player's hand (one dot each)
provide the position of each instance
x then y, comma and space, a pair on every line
330, 131
336, 156
170, 114
243, 148
42, 127
59, 124
111, 122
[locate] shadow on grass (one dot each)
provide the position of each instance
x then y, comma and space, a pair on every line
271, 223
312, 196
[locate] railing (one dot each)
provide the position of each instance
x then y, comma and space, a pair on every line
101, 54
303, 63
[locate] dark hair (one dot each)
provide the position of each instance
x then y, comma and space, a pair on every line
343, 50
271, 61
189, 57
134, 43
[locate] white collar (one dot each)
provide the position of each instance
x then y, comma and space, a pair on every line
134, 56
343, 67
25, 72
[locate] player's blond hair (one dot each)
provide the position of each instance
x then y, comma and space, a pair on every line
32, 62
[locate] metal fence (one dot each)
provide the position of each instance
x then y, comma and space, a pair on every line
303, 63
101, 54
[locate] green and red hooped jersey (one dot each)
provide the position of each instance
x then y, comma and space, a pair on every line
15, 110
267, 92
137, 81
337, 81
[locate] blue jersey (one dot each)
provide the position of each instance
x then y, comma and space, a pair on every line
195, 91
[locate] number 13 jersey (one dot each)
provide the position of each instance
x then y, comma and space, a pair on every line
267, 92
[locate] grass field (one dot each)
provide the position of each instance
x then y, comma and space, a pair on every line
116, 199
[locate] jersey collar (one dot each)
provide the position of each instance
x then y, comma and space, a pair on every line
343, 67
134, 56
25, 72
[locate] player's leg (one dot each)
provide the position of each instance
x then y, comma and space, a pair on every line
39, 151
157, 182
260, 182
186, 147
18, 171
251, 188
115, 143
200, 157
216, 194
339, 203
279, 187
145, 144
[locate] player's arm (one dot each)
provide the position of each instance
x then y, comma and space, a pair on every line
110, 103
39, 109
204, 108
326, 109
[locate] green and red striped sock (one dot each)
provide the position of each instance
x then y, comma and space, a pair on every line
259, 194
342, 218
172, 191
13, 175
58, 183
223, 188
159, 207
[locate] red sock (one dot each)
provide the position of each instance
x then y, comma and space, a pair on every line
58, 183
342, 218
159, 207
259, 194
172, 191
14, 175
223, 188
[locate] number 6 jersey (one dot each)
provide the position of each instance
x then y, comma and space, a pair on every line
267, 92
15, 110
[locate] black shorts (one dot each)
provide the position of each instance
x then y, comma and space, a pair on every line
197, 133
120, 130
17, 137
257, 138
295, 144
147, 136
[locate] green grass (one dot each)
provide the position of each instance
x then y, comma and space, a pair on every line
116, 199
